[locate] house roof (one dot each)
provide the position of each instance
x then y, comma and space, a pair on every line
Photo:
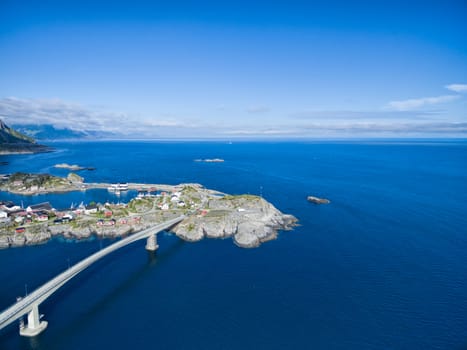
41, 206
8, 204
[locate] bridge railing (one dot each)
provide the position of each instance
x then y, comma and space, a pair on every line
23, 306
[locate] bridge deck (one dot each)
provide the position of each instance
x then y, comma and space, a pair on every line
23, 306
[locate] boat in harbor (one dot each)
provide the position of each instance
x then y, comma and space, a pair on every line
118, 187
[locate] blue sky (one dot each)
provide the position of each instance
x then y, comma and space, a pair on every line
228, 70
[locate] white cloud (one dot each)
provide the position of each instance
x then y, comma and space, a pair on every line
398, 128
417, 103
355, 129
304, 124
457, 87
257, 132
63, 114
338, 115
60, 114
162, 123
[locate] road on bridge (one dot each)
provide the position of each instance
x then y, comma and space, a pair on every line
31, 301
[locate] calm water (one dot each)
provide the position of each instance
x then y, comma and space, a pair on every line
384, 266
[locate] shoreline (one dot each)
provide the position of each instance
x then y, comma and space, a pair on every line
99, 185
249, 220
30, 149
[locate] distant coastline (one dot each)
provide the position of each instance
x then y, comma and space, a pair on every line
9, 149
14, 142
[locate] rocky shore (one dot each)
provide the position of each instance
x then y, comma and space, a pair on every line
248, 220
26, 148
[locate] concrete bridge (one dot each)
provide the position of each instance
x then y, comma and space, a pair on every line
30, 304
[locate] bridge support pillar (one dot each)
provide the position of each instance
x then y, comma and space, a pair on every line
151, 243
35, 325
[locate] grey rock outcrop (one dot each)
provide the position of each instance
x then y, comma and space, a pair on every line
17, 240
317, 200
4, 242
37, 238
250, 220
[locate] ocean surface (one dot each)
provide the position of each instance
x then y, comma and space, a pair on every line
384, 266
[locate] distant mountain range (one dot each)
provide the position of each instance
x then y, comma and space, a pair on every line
48, 132
12, 141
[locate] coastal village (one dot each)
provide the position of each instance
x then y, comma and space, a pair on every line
249, 219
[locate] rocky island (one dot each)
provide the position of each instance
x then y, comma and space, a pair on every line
72, 167
317, 200
210, 160
248, 220
30, 184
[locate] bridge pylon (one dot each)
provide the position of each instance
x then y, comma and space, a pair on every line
35, 325
151, 243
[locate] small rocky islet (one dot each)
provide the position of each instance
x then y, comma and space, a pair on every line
73, 167
249, 220
317, 200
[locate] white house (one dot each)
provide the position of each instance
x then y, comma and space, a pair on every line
90, 209
3, 214
11, 207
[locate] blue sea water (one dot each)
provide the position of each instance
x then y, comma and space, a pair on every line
384, 266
